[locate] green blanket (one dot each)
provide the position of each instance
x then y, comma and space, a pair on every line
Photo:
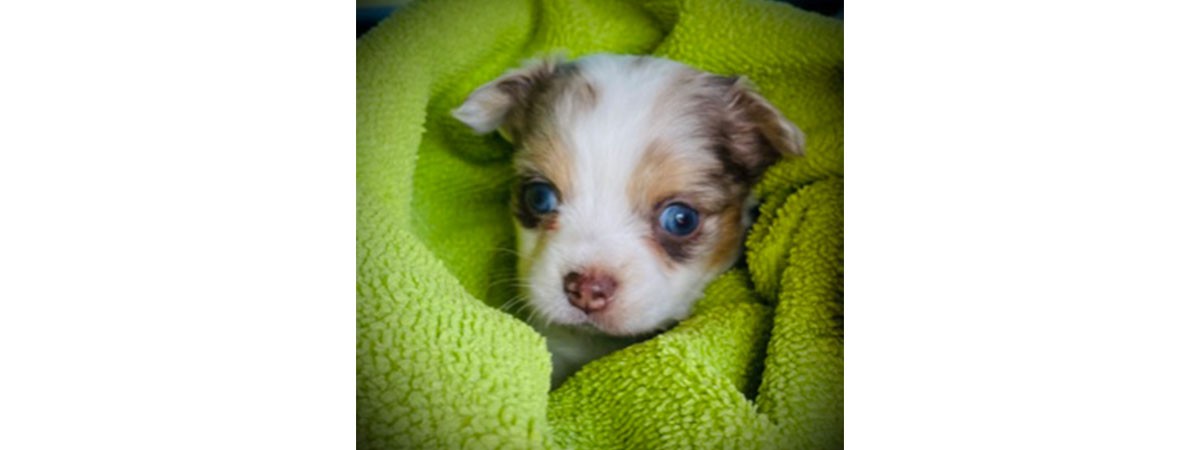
759, 365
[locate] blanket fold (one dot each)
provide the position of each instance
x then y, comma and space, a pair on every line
758, 365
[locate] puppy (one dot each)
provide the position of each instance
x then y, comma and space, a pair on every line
633, 190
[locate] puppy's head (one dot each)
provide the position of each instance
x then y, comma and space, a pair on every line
634, 178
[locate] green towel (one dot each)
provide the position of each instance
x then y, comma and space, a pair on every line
759, 364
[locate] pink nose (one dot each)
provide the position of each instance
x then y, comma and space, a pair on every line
590, 291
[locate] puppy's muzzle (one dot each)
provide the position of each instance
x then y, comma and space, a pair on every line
591, 291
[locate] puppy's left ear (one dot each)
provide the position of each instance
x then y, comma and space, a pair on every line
502, 103
760, 133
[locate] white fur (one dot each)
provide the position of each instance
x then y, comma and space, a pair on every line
596, 226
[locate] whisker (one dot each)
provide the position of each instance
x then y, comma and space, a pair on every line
509, 303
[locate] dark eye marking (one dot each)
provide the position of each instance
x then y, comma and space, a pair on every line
676, 229
534, 201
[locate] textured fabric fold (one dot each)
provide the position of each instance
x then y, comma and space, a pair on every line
759, 364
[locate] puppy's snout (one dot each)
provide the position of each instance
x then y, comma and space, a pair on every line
589, 291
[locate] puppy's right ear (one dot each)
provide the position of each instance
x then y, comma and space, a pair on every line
501, 104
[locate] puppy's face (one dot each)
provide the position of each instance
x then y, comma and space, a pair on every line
634, 178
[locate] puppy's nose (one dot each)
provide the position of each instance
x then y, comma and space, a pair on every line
589, 291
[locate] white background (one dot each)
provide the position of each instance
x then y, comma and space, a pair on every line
177, 225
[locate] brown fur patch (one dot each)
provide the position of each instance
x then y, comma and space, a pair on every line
541, 152
542, 158
560, 94
665, 172
729, 240
520, 89
723, 137
546, 156
667, 175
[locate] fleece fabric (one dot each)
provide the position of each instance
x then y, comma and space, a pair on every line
439, 365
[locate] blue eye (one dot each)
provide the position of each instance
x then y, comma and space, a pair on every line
540, 198
679, 219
